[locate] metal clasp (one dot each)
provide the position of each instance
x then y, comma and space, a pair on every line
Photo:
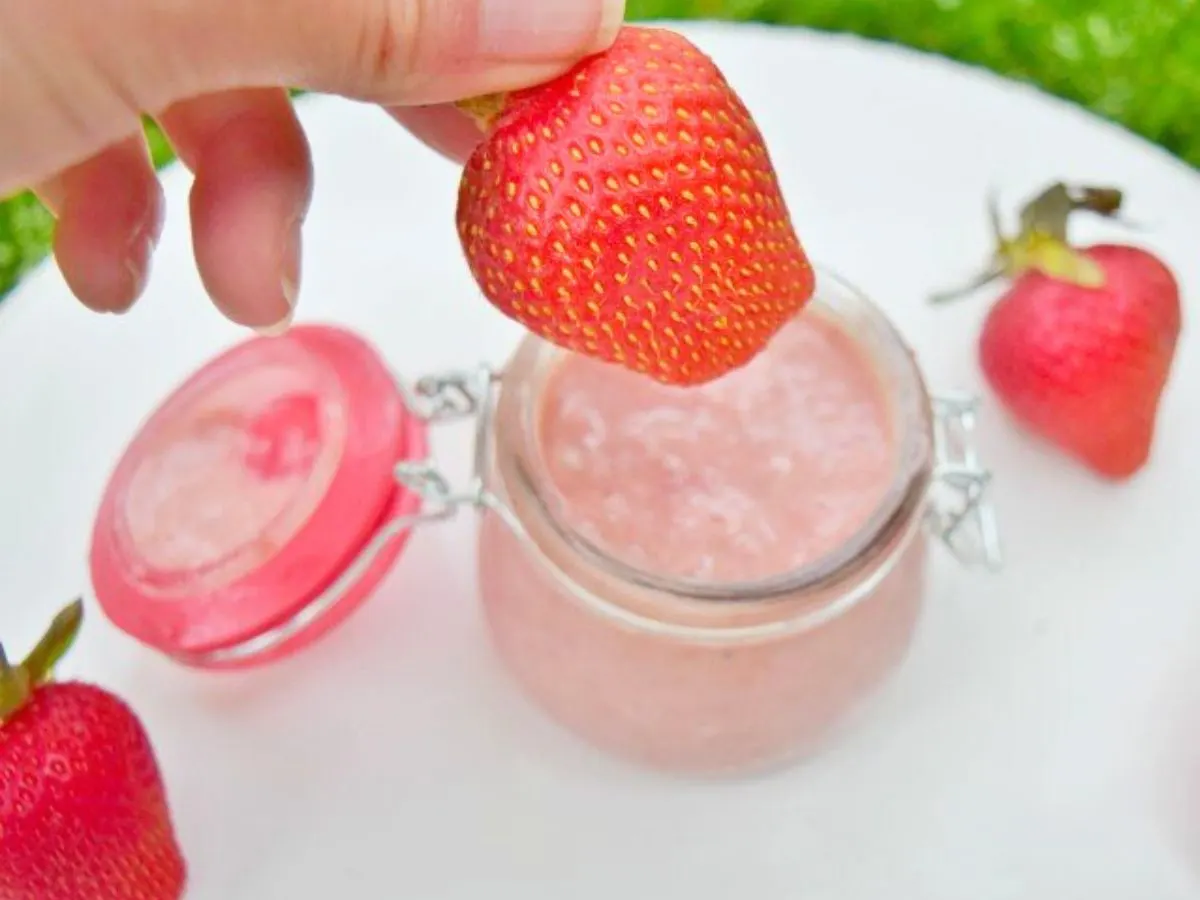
453, 396
959, 512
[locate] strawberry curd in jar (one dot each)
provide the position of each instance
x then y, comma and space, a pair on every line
756, 474
710, 579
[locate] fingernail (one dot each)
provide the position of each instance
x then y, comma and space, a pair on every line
137, 264
289, 275
278, 328
531, 30
142, 241
612, 18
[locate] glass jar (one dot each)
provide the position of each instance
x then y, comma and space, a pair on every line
677, 671
715, 676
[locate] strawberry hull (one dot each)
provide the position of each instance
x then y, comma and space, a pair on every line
629, 211
83, 814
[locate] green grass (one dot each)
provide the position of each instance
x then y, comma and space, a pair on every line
1137, 63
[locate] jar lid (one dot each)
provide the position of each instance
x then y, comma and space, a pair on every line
250, 490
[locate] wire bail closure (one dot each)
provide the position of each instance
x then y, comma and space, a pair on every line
453, 396
959, 512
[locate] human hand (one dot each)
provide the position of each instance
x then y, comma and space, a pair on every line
76, 77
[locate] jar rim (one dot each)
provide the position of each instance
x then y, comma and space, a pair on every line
871, 544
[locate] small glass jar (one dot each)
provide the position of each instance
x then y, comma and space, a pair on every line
679, 673
700, 675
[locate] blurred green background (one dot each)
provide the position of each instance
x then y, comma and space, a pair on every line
1136, 62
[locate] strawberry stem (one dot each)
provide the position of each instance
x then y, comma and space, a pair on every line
484, 109
1041, 243
55, 643
984, 278
17, 683
15, 689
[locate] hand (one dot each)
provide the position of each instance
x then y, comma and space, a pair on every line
76, 76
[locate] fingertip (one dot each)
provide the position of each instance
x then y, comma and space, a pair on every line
612, 20
442, 127
110, 216
248, 202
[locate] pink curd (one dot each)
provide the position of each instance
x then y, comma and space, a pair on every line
756, 474
763, 473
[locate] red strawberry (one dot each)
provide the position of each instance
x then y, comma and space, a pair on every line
628, 211
83, 815
1080, 347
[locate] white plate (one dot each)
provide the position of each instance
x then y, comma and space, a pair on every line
394, 760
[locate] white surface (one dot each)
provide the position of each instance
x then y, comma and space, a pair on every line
1009, 760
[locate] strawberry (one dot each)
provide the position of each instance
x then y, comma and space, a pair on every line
1079, 348
628, 210
83, 815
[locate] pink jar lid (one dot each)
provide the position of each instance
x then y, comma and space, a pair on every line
248, 492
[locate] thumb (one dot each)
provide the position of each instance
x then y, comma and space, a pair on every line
409, 52
75, 76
